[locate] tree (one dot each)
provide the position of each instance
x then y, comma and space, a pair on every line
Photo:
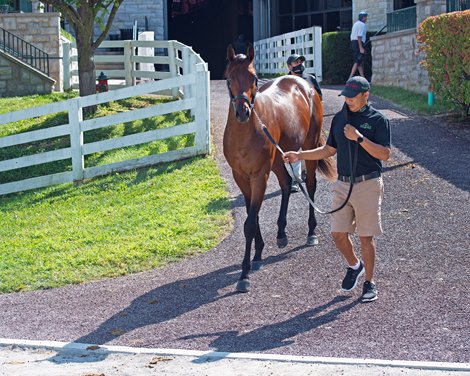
82, 15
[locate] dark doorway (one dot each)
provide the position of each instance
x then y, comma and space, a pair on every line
210, 28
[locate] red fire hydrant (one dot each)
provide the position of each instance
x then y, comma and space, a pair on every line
102, 84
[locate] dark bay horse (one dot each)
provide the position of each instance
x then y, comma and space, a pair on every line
292, 112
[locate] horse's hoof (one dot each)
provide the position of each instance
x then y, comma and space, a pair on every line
256, 265
312, 240
243, 285
281, 243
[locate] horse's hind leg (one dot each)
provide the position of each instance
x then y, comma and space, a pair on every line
259, 246
285, 183
311, 183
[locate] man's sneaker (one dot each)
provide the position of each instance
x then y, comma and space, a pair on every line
294, 187
369, 292
351, 278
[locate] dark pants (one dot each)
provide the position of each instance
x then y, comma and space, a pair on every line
356, 53
316, 85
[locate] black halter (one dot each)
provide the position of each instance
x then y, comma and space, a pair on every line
233, 98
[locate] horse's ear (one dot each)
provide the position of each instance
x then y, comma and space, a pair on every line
250, 52
230, 53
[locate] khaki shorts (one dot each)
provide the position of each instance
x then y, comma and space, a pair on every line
362, 212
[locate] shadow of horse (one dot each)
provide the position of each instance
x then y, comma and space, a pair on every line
163, 304
278, 334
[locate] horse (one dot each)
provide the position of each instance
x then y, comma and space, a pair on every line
293, 114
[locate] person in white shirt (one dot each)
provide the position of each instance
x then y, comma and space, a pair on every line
358, 40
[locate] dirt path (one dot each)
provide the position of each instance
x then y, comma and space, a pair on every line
295, 307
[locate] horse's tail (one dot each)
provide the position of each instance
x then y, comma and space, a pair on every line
327, 166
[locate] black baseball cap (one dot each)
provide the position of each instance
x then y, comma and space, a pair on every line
354, 86
294, 57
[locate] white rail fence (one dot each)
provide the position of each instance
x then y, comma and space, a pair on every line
188, 79
271, 54
128, 62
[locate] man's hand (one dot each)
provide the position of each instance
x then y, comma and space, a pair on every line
291, 156
351, 133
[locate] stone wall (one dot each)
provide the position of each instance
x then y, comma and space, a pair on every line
138, 10
426, 8
42, 30
18, 79
395, 56
377, 11
395, 62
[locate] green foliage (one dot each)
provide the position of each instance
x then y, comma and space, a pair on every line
337, 57
67, 35
445, 41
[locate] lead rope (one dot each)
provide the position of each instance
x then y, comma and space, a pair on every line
352, 166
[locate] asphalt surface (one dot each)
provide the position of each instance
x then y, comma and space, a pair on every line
295, 307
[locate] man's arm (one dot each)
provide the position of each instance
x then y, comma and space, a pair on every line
322, 152
376, 150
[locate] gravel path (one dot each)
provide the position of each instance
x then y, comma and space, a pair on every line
294, 307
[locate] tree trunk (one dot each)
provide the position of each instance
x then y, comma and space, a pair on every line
86, 74
86, 65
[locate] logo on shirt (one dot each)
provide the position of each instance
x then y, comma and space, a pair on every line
365, 126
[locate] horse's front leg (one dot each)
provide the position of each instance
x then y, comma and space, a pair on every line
311, 183
253, 199
285, 184
249, 229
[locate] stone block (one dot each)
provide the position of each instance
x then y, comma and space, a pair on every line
5, 72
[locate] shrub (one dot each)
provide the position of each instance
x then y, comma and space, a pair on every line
444, 40
337, 59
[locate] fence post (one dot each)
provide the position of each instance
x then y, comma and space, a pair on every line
202, 111
66, 66
76, 140
317, 58
188, 68
172, 52
128, 65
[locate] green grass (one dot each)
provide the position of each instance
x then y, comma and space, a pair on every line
415, 102
113, 225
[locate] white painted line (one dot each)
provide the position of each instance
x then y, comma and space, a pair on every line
56, 345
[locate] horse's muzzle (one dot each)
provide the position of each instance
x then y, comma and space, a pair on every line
242, 113
242, 107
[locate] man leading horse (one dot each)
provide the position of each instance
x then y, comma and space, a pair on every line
361, 128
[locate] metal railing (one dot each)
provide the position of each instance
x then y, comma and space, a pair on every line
401, 19
24, 51
457, 5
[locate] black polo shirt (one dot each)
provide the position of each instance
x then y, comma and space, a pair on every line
371, 124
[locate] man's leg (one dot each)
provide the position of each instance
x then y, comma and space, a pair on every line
368, 256
297, 167
355, 266
361, 70
353, 70
345, 246
369, 290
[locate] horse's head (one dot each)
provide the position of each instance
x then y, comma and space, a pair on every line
242, 82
